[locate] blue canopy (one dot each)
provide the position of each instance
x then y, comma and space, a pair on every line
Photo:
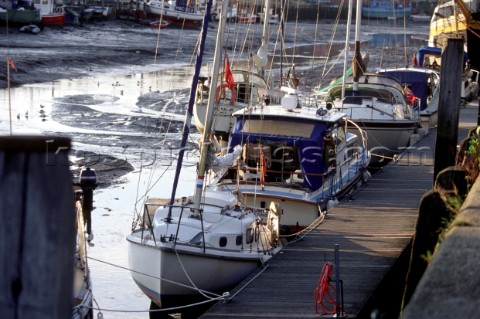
415, 79
310, 148
426, 50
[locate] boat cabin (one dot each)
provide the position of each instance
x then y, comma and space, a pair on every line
371, 86
248, 88
422, 82
289, 147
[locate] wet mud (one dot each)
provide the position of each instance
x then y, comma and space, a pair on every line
99, 47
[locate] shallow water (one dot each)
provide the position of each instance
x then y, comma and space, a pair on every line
114, 115
125, 114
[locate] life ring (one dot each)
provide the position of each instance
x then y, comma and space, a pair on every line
222, 87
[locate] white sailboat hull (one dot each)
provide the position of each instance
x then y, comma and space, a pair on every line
169, 11
385, 139
172, 277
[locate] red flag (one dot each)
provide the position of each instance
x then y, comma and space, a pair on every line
415, 61
228, 74
12, 66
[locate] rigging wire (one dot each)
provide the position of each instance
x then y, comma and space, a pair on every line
315, 36
405, 37
158, 38
9, 61
326, 72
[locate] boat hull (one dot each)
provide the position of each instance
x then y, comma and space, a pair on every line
168, 12
386, 139
247, 19
385, 13
425, 85
53, 19
20, 17
214, 273
301, 207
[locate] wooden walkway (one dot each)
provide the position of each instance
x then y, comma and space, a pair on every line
372, 229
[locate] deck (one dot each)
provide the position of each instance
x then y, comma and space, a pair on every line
372, 230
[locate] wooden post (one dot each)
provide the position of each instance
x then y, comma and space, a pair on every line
431, 215
37, 228
478, 112
449, 105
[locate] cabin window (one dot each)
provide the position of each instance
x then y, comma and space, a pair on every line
285, 160
202, 90
281, 161
249, 237
239, 240
243, 93
223, 241
197, 240
278, 127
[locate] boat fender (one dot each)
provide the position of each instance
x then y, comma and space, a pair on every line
221, 88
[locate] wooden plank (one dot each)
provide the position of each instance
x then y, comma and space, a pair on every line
37, 232
373, 228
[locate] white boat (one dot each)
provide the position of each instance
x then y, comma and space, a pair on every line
421, 17
273, 18
175, 11
430, 58
248, 89
198, 248
377, 104
231, 12
424, 85
82, 285
239, 85
295, 153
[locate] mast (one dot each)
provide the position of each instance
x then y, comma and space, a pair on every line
261, 58
189, 111
357, 58
266, 23
347, 41
205, 144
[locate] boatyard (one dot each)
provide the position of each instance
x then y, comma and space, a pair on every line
231, 171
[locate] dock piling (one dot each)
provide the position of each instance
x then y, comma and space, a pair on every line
37, 232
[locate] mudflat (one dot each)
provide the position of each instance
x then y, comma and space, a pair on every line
76, 51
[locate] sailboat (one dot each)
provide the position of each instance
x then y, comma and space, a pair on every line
197, 248
247, 87
377, 104
424, 85
295, 153
430, 58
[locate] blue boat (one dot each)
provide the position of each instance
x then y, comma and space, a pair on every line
385, 9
